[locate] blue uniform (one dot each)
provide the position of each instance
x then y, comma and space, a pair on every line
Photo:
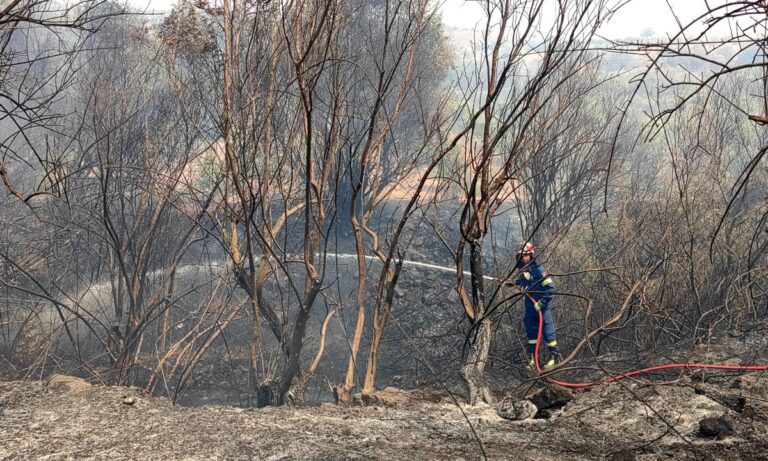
537, 284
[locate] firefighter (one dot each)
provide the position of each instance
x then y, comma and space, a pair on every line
538, 288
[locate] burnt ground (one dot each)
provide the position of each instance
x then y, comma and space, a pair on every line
70, 419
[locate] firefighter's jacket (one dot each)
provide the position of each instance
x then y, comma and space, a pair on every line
536, 283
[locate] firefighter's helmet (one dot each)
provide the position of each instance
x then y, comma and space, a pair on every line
525, 248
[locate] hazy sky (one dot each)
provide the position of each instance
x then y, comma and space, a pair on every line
639, 17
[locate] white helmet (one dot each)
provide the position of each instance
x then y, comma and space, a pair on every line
525, 248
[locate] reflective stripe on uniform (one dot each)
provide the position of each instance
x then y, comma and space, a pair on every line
547, 281
552, 344
532, 341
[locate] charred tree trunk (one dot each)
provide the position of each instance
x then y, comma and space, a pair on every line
343, 392
380, 319
473, 368
293, 367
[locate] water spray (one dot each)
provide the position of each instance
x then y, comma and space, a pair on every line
744, 368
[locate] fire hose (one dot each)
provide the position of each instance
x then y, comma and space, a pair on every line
628, 374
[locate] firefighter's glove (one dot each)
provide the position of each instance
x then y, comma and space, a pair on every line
538, 305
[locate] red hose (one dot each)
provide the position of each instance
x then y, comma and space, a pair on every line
634, 372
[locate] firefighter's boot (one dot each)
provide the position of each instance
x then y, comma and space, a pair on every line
554, 359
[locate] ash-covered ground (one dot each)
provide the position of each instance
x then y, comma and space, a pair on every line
67, 418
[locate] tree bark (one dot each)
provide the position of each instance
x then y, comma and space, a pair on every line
473, 368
